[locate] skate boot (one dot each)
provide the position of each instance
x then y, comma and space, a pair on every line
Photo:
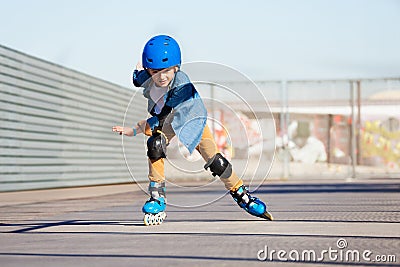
154, 208
252, 205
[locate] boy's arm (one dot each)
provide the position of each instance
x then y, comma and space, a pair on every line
140, 127
174, 98
140, 75
180, 94
125, 130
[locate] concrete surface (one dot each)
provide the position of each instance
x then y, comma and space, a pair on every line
102, 226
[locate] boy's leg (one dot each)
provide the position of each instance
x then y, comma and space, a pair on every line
156, 170
208, 150
220, 166
154, 208
156, 165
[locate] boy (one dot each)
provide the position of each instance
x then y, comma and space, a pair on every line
177, 109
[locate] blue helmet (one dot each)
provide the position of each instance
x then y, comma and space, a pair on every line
160, 52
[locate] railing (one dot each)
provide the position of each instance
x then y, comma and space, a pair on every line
55, 126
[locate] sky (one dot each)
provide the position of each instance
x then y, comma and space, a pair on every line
266, 40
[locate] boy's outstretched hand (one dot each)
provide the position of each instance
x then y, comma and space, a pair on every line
123, 130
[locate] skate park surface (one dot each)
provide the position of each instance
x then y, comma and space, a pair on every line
103, 225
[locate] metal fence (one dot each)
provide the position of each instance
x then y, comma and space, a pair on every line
55, 126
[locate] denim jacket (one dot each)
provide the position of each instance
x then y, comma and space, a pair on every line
190, 114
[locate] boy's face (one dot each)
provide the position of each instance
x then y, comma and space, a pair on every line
163, 77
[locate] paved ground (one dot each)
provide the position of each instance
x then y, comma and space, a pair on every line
102, 226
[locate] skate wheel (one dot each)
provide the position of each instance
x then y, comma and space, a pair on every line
159, 219
153, 220
147, 219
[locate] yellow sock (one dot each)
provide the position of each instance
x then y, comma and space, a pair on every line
237, 185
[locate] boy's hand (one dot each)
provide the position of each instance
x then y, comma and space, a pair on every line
123, 130
139, 66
